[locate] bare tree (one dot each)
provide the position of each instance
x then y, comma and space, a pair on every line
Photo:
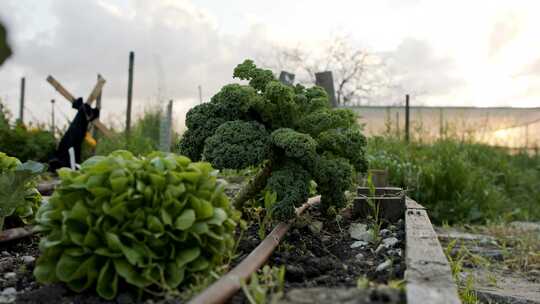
358, 73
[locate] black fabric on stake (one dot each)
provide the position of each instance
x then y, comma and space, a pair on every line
74, 136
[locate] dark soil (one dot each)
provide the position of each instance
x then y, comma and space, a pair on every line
12, 260
324, 258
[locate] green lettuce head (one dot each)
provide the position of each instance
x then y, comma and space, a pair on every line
150, 222
18, 195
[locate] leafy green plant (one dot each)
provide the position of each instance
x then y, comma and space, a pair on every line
265, 286
5, 50
151, 222
18, 195
461, 181
25, 142
375, 209
289, 131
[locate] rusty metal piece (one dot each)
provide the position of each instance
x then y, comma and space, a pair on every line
230, 283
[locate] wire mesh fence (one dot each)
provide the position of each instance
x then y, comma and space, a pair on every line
505, 127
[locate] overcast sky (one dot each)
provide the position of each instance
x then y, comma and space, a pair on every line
478, 53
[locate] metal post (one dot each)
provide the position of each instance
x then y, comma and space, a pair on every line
441, 123
200, 94
407, 125
129, 92
98, 105
21, 104
165, 129
53, 128
397, 124
527, 137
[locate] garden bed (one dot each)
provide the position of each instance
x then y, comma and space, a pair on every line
326, 259
317, 254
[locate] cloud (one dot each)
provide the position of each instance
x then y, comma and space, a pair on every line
506, 28
416, 68
177, 47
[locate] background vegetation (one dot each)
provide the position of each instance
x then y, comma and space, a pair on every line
25, 142
462, 181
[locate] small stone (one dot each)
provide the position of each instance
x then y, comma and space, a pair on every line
5, 253
392, 228
359, 257
356, 230
379, 249
384, 233
8, 295
28, 259
9, 291
390, 242
124, 298
316, 227
10, 275
295, 273
394, 252
360, 244
384, 266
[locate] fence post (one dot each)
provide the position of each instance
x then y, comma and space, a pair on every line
326, 81
98, 105
407, 123
200, 94
441, 123
53, 128
165, 129
21, 101
398, 134
129, 92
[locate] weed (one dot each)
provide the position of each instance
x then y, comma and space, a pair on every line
265, 286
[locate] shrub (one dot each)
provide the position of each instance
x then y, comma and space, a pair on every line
25, 142
461, 182
150, 222
18, 195
290, 131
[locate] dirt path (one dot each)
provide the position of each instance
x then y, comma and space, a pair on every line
501, 264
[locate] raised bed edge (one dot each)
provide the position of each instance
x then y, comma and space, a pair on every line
428, 274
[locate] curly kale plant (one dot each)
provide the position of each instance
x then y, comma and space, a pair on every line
291, 130
18, 195
151, 222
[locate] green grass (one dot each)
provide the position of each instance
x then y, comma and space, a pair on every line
143, 138
461, 182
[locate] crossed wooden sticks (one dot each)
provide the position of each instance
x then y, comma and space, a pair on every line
93, 95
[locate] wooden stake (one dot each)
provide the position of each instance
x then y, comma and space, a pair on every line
129, 92
407, 123
52, 117
21, 105
98, 105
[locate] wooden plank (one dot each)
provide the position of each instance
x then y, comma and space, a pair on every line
96, 91
428, 275
390, 208
379, 191
102, 128
58, 87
